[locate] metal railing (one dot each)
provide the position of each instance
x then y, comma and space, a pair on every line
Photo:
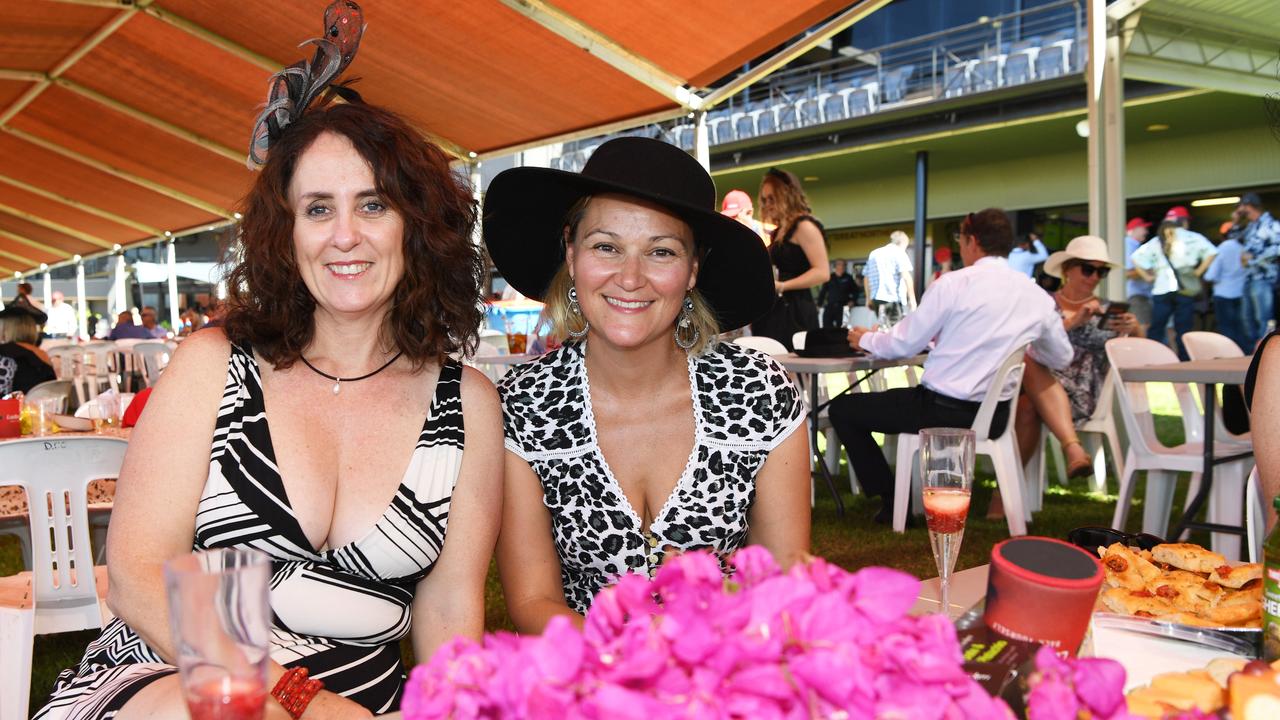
1009, 50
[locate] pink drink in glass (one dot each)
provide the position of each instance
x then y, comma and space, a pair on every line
946, 463
231, 700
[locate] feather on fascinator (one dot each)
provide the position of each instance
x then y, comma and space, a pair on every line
292, 90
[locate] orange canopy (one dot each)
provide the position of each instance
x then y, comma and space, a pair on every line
123, 119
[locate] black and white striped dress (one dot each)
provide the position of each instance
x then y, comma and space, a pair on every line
339, 612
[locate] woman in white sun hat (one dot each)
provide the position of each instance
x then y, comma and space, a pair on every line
1062, 399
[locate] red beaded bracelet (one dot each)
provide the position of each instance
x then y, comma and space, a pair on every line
294, 691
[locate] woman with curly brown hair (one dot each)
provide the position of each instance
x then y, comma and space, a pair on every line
799, 254
356, 280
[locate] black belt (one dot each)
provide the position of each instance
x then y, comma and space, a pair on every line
946, 401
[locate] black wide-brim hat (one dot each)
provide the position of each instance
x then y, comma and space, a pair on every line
525, 209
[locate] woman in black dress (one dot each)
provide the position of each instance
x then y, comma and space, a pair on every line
23, 365
799, 255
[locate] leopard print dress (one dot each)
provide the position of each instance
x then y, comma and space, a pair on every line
745, 405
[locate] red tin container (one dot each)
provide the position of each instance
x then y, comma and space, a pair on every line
1043, 590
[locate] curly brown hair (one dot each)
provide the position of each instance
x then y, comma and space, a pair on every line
436, 307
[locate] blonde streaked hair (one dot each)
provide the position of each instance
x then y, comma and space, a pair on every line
558, 320
789, 200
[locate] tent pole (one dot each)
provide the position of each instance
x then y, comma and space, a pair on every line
82, 314
118, 294
922, 214
701, 143
1096, 37
1113, 141
47, 289
172, 251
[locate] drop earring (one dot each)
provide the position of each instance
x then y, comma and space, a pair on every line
576, 309
685, 326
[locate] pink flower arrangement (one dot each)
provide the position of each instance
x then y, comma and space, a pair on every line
1069, 689
815, 642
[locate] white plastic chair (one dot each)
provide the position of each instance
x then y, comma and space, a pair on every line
64, 592
51, 389
1202, 345
63, 359
1161, 463
766, 345
832, 455
1255, 516
1101, 426
151, 358
1002, 450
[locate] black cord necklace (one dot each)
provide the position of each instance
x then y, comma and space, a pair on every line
337, 381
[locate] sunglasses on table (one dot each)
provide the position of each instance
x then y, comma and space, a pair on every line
1093, 536
1102, 271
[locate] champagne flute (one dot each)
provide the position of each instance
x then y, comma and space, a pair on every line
220, 619
946, 464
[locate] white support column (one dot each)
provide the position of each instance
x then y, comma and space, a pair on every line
82, 309
1095, 38
171, 251
1114, 157
119, 298
702, 144
47, 283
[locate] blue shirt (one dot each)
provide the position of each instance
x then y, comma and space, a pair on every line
1139, 287
1025, 261
1227, 273
129, 331
1262, 242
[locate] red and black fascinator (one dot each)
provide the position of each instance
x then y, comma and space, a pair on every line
292, 90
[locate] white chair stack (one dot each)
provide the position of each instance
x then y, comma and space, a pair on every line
64, 591
1162, 463
151, 358
1002, 450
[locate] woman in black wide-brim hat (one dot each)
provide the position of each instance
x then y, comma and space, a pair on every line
643, 434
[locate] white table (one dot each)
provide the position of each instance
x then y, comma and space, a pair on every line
1208, 374
967, 588
812, 367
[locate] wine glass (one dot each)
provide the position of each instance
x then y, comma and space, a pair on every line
946, 464
220, 619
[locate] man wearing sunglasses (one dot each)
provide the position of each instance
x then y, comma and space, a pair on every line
1173, 262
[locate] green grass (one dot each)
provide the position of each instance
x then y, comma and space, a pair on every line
852, 542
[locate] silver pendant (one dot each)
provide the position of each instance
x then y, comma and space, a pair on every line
337, 385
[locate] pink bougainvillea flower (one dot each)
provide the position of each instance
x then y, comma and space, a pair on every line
816, 641
1099, 683
558, 653
753, 564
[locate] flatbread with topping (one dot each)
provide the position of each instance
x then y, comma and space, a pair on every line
1187, 556
1237, 576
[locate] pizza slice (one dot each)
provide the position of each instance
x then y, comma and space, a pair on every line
1236, 577
1186, 556
1141, 603
1125, 568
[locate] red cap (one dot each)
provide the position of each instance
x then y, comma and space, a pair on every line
1177, 212
735, 203
1137, 223
942, 254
